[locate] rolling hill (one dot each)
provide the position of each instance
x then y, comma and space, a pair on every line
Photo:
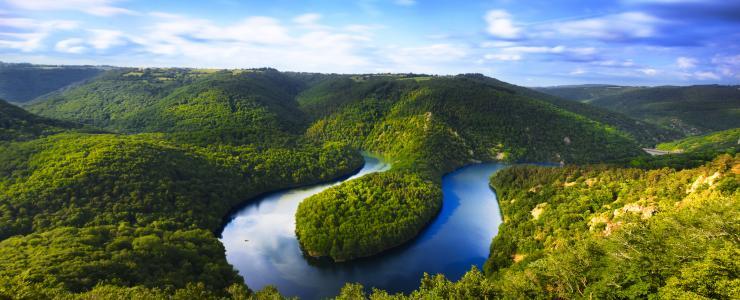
585, 92
720, 141
240, 106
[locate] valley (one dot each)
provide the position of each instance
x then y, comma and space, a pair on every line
123, 184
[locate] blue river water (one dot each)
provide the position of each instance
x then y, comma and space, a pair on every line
260, 240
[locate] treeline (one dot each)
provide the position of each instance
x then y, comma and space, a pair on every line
366, 215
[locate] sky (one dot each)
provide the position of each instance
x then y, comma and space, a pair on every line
530, 43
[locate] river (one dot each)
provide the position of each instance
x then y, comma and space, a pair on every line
260, 240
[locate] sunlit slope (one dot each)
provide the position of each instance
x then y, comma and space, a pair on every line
721, 141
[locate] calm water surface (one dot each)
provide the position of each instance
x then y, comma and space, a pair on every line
260, 240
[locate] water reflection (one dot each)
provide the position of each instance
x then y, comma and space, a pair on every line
260, 240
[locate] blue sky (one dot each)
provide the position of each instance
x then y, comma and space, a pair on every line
532, 43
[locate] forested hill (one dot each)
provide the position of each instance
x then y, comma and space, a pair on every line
691, 110
17, 124
21, 83
585, 92
465, 116
727, 141
244, 105
645, 133
203, 106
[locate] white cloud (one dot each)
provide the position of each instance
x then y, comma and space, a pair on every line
705, 75
508, 51
610, 27
728, 66
422, 58
28, 34
25, 42
648, 71
502, 56
686, 62
301, 45
497, 44
499, 24
578, 71
614, 63
73, 45
307, 19
103, 8
104, 39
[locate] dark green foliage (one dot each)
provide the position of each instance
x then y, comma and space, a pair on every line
77, 259
24, 82
691, 110
17, 125
366, 215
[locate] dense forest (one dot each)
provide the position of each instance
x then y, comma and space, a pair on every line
692, 110
22, 83
366, 215
121, 186
77, 210
198, 106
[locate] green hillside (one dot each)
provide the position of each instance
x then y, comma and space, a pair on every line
721, 141
239, 106
585, 92
17, 124
21, 83
647, 134
692, 110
